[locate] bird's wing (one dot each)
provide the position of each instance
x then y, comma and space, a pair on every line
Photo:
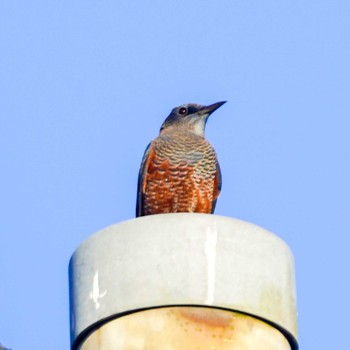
141, 180
217, 186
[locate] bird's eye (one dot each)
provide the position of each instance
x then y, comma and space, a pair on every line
183, 111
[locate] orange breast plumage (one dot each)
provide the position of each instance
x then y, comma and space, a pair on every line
179, 173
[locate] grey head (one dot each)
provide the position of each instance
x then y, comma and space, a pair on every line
189, 117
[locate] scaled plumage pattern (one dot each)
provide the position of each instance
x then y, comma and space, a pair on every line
179, 170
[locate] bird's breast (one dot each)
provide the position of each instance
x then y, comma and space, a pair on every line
180, 176
184, 149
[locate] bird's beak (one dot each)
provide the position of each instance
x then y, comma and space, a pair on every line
211, 108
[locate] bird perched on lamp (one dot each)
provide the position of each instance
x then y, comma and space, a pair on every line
180, 171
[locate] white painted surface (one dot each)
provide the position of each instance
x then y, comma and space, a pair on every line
182, 259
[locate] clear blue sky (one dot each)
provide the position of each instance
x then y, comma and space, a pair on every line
85, 85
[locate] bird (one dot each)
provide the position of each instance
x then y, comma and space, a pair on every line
180, 172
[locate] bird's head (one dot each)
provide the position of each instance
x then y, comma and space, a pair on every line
189, 117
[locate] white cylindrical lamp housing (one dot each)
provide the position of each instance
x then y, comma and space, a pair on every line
164, 281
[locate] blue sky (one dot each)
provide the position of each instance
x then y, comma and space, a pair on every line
85, 85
